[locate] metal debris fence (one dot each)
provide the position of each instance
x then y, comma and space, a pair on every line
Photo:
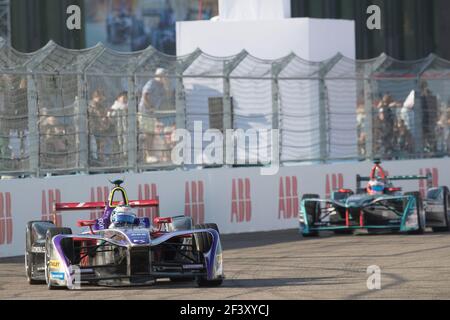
97, 110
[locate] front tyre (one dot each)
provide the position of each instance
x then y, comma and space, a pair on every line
419, 211
67, 247
204, 240
312, 214
203, 243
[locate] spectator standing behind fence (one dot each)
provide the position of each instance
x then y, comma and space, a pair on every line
53, 142
13, 134
403, 138
360, 120
158, 144
429, 117
442, 134
156, 109
98, 125
384, 126
447, 136
4, 139
158, 94
117, 116
170, 142
407, 113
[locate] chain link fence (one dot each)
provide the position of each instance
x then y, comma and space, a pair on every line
5, 20
96, 110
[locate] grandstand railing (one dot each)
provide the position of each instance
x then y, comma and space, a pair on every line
97, 110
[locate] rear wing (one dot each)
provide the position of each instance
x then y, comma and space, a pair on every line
80, 206
428, 178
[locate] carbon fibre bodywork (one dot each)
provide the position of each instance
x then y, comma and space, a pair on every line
132, 257
137, 253
360, 211
390, 210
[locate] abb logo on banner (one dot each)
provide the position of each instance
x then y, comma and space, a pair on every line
98, 194
49, 198
194, 203
423, 184
288, 198
6, 223
337, 182
147, 192
241, 203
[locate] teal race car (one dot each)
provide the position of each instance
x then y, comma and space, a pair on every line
380, 207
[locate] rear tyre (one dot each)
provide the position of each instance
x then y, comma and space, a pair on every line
66, 245
203, 242
29, 262
447, 227
420, 212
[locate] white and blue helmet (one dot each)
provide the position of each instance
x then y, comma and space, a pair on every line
376, 187
123, 215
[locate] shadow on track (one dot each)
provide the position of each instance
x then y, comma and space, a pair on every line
227, 284
259, 239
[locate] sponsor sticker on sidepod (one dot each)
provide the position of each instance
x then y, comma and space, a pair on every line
57, 275
54, 264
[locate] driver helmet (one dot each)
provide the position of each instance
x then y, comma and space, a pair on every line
376, 187
123, 215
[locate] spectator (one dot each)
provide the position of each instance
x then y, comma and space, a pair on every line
15, 144
442, 134
403, 138
429, 117
53, 142
117, 116
157, 144
170, 143
384, 126
4, 141
4, 149
158, 94
98, 126
362, 144
360, 120
13, 134
388, 102
407, 113
157, 101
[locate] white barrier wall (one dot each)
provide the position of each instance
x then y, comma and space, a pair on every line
238, 200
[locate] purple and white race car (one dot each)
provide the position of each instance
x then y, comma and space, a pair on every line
122, 249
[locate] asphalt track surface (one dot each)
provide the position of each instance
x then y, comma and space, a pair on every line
282, 265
